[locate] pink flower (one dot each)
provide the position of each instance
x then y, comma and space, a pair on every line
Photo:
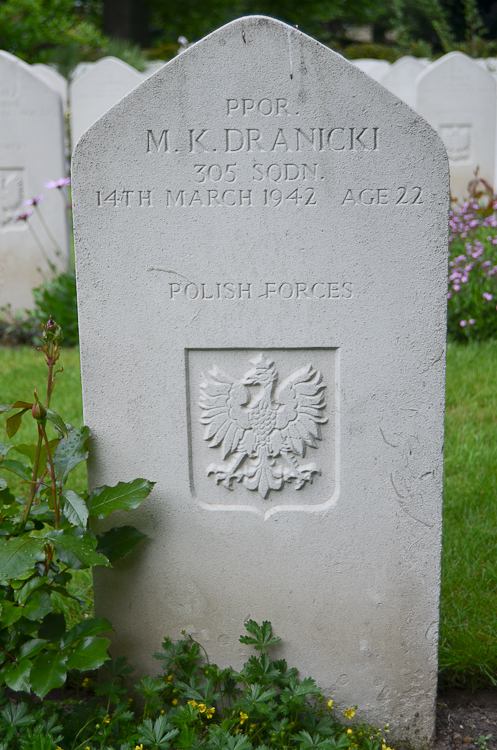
456, 287
463, 323
23, 217
34, 201
487, 296
471, 321
449, 295
58, 183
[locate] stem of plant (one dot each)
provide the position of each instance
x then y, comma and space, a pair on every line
34, 485
52, 475
47, 230
42, 249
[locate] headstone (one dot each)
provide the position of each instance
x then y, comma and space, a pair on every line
54, 79
261, 249
31, 154
375, 69
458, 98
401, 76
96, 90
153, 67
80, 68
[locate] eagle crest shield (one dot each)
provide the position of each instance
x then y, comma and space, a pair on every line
261, 428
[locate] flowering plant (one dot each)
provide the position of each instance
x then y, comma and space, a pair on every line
472, 292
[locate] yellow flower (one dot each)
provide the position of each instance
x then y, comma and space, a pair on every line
138, 747
330, 704
106, 720
349, 731
193, 704
169, 677
243, 717
202, 708
130, 700
349, 713
210, 712
174, 702
85, 682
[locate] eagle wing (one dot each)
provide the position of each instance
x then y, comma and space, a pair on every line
221, 400
300, 413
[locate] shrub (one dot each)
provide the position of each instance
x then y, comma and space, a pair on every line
57, 298
472, 293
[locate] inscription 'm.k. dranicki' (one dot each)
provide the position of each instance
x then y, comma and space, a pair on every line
261, 434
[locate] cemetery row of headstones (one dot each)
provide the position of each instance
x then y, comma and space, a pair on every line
456, 95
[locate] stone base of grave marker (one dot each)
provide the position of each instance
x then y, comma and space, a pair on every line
261, 241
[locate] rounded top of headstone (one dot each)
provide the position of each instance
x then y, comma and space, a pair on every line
454, 63
6, 59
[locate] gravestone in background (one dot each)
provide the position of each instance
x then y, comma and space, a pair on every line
375, 69
31, 154
54, 78
458, 98
261, 247
96, 90
400, 78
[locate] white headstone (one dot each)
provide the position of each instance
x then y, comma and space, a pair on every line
375, 69
400, 78
80, 68
458, 98
31, 154
96, 90
153, 67
54, 78
261, 214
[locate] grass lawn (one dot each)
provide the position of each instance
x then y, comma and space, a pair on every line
468, 643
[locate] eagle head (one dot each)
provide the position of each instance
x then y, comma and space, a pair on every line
262, 372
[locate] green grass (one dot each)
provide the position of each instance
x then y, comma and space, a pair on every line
468, 644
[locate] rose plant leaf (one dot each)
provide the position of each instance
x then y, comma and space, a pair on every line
17, 467
18, 678
90, 653
19, 554
57, 422
5, 448
118, 542
95, 626
14, 422
70, 452
30, 452
83, 547
124, 496
37, 606
48, 671
74, 508
53, 627
32, 647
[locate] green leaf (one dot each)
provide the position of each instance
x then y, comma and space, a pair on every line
18, 555
6, 497
22, 405
52, 627
95, 626
70, 452
11, 613
16, 467
118, 542
18, 677
32, 647
74, 508
28, 588
48, 671
83, 547
37, 606
14, 422
90, 653
57, 422
5, 448
5, 407
30, 452
124, 496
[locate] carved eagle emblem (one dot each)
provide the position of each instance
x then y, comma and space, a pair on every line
262, 428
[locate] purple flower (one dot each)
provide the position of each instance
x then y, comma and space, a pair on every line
487, 296
456, 287
471, 321
449, 295
463, 323
34, 201
58, 183
23, 217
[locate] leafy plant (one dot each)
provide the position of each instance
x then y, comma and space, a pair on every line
198, 705
44, 535
57, 297
472, 294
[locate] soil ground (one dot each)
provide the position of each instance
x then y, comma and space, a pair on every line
465, 719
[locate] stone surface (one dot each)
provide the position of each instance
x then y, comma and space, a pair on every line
54, 79
31, 154
96, 90
261, 200
400, 78
458, 98
375, 69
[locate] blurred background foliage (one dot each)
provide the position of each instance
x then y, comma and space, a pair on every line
66, 32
